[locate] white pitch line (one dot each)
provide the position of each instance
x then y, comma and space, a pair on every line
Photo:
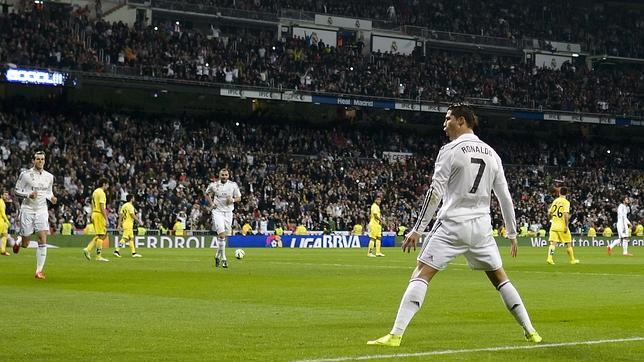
456, 351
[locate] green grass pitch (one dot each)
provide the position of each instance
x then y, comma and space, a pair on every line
294, 304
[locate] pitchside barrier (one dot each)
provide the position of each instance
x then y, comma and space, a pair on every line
298, 241
235, 241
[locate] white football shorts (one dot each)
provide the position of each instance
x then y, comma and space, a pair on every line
31, 222
472, 238
222, 221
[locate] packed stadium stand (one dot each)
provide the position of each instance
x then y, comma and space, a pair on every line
292, 174
60, 39
591, 23
325, 175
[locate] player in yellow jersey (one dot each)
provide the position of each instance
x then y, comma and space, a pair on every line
375, 228
4, 222
127, 216
559, 232
99, 219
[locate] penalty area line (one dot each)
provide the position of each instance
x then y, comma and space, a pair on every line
456, 351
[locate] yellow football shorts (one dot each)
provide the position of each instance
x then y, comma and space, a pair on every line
560, 236
375, 231
100, 224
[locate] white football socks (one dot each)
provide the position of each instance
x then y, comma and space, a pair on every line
221, 242
41, 256
624, 243
411, 302
513, 302
625, 247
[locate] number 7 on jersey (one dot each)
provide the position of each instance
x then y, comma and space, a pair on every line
479, 175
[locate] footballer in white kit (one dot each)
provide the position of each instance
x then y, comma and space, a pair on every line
222, 195
35, 187
466, 202
623, 228
34, 215
466, 172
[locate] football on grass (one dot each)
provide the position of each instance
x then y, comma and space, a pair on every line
239, 254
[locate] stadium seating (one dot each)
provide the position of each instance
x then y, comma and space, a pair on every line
289, 174
252, 57
600, 26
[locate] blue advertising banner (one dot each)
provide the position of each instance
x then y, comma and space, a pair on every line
258, 241
331, 241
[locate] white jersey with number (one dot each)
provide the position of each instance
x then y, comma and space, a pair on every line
622, 221
220, 193
32, 180
467, 170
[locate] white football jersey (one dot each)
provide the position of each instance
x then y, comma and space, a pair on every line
622, 216
220, 192
32, 180
466, 172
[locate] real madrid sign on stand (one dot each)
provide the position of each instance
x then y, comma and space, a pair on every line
344, 23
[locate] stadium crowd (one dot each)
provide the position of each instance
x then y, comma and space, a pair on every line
291, 175
600, 27
251, 57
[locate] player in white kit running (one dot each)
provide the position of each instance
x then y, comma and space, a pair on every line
35, 187
466, 172
225, 194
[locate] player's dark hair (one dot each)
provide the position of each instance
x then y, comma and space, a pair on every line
129, 197
465, 111
563, 190
102, 181
38, 153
